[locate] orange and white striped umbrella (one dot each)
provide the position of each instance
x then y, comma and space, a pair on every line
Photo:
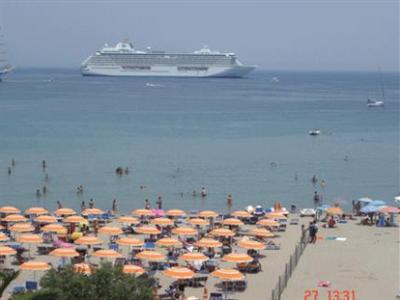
261, 232
179, 273
147, 230
107, 253
57, 228
36, 211
208, 214
232, 222
22, 227
237, 258
88, 240
150, 255
241, 214
184, 231
45, 219
5, 250
30, 239
14, 218
127, 241
142, 212
175, 213
74, 219
35, 266
92, 211
222, 232
276, 215
198, 221
9, 210
194, 256
128, 220
268, 222
228, 274
168, 242
3, 237
250, 244
162, 222
82, 269
208, 243
133, 269
65, 211
111, 230
64, 252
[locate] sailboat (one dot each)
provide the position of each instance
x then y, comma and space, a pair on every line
4, 67
377, 102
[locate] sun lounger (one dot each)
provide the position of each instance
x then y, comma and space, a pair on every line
215, 296
31, 285
294, 221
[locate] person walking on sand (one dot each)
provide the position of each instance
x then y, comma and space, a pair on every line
313, 229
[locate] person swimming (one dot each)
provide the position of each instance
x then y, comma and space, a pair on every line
203, 192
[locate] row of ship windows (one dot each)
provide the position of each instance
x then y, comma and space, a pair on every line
144, 68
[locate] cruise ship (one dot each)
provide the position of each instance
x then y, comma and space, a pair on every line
124, 60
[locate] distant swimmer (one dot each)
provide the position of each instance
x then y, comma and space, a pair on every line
273, 164
13, 162
316, 199
38, 193
203, 192
44, 190
181, 193
119, 171
44, 164
229, 201
314, 179
9, 171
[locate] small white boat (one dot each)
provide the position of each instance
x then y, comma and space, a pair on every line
314, 132
375, 103
307, 212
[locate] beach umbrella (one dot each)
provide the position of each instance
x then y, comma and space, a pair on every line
56, 228
222, 232
5, 250
133, 269
175, 213
74, 219
276, 215
377, 203
150, 255
110, 230
30, 239
142, 212
241, 214
36, 211
389, 210
65, 211
82, 268
261, 232
268, 222
92, 211
250, 244
397, 198
198, 221
178, 273
334, 210
88, 240
64, 252
22, 227
34, 266
232, 222
162, 222
14, 218
168, 242
107, 253
3, 237
128, 220
228, 274
184, 231
237, 258
45, 219
147, 230
368, 209
365, 200
9, 210
127, 241
194, 256
208, 243
208, 214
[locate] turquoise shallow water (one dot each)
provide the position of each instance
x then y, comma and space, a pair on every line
183, 134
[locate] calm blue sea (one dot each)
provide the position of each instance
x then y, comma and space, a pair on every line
246, 137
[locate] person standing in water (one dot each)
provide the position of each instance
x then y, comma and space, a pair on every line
83, 205
9, 171
114, 205
203, 192
229, 201
146, 204
91, 203
44, 164
159, 202
316, 199
13, 163
59, 204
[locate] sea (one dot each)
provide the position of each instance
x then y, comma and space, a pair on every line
247, 137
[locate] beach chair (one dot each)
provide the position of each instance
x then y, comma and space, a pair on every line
272, 246
240, 285
215, 296
31, 285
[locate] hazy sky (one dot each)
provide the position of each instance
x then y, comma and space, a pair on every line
310, 35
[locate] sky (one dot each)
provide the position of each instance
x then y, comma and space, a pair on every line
276, 35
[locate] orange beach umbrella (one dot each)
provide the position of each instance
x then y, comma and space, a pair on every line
14, 218
35, 266
150, 255
228, 274
133, 269
107, 253
261, 232
64, 252
45, 219
168, 242
92, 211
198, 221
147, 230
179, 273
9, 210
110, 230
268, 222
194, 256
237, 258
127, 241
128, 220
36, 211
30, 239
22, 227
162, 222
88, 240
74, 219
184, 231
175, 213
208, 214
208, 243
3, 237
57, 228
65, 212
222, 232
5, 250
241, 214
142, 212
250, 244
232, 222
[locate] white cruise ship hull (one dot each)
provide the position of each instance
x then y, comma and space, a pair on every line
168, 71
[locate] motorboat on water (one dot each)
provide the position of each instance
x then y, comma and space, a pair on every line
375, 103
314, 132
